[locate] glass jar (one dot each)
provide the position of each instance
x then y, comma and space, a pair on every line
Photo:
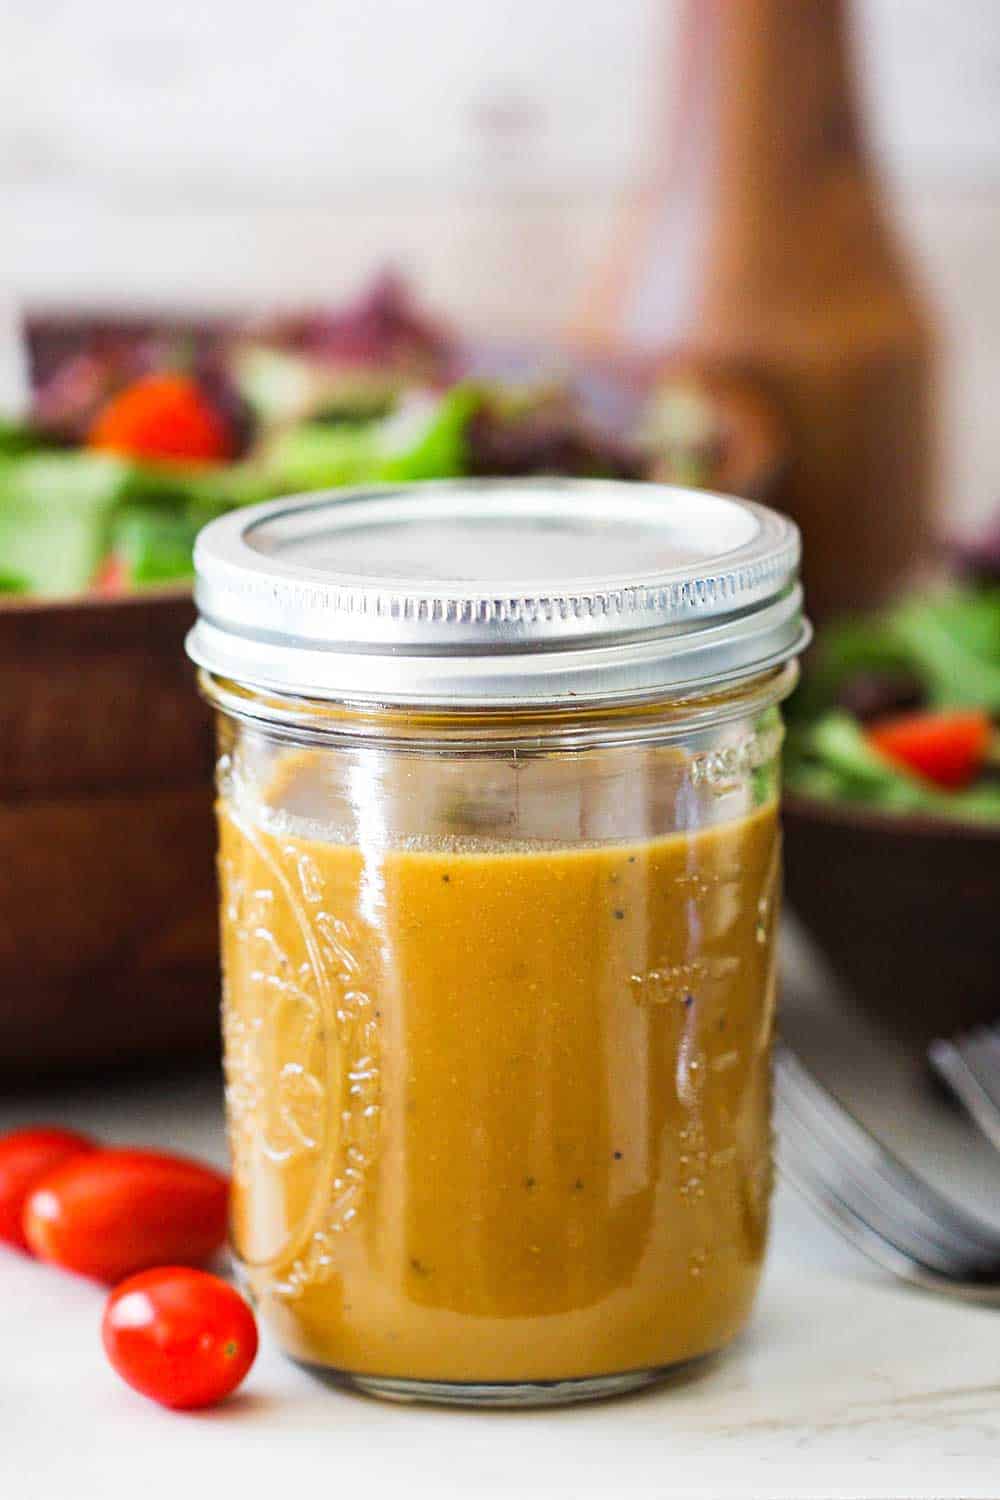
500, 875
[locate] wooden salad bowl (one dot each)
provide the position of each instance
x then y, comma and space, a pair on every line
108, 926
905, 908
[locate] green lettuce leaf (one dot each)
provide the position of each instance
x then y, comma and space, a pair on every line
55, 515
156, 546
954, 644
423, 439
949, 641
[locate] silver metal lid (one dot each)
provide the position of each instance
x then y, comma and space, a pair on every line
470, 592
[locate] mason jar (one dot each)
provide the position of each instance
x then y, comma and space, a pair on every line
498, 787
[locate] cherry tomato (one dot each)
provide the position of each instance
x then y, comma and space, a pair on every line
113, 1213
182, 1337
26, 1156
112, 577
165, 417
946, 748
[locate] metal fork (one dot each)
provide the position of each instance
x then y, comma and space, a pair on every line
970, 1066
884, 1209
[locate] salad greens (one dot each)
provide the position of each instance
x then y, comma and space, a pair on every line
424, 438
954, 643
18, 437
55, 516
62, 511
155, 546
281, 387
204, 419
931, 660
832, 759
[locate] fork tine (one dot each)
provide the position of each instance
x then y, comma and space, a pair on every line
987, 1045
899, 1191
838, 1208
907, 1229
970, 1066
978, 1283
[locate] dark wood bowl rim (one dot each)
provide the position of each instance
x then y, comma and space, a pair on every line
162, 593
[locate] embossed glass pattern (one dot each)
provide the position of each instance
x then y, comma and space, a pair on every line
498, 1000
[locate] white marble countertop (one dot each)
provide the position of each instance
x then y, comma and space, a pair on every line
846, 1385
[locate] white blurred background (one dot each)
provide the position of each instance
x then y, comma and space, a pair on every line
228, 152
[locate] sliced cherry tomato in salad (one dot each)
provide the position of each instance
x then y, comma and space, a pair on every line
111, 578
165, 418
26, 1157
113, 1213
182, 1337
948, 749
